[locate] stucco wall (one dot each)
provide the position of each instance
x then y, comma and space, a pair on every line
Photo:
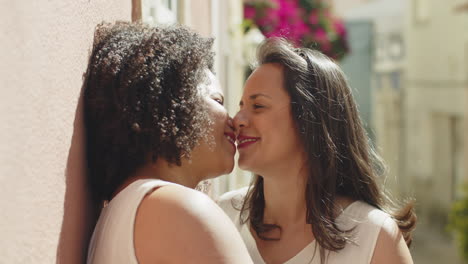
434, 109
200, 17
44, 50
443, 35
436, 77
341, 7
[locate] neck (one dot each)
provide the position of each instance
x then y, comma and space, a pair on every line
186, 174
284, 193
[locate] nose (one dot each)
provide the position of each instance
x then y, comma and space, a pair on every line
240, 121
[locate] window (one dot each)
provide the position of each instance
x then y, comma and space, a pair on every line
159, 11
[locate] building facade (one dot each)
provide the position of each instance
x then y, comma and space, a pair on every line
418, 101
434, 117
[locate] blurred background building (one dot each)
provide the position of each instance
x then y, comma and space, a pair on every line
418, 105
406, 60
434, 111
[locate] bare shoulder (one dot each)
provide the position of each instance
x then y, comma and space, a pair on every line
175, 224
390, 246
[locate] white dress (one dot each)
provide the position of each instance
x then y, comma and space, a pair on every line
367, 220
112, 240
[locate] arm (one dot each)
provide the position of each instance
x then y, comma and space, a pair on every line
390, 247
179, 225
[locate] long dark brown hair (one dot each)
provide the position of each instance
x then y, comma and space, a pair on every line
341, 159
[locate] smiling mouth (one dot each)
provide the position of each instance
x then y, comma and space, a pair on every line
243, 141
231, 138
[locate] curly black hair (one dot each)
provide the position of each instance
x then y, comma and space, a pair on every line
141, 100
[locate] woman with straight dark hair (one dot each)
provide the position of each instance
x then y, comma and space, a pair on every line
316, 196
156, 127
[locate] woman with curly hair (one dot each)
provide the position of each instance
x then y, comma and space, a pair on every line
156, 127
315, 196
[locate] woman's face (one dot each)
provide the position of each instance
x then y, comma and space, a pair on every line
215, 156
266, 134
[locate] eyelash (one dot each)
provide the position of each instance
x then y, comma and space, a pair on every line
257, 106
220, 101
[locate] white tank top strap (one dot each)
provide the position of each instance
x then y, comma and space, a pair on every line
365, 220
112, 239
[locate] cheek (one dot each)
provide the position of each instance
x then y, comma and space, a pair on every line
218, 115
219, 122
218, 125
283, 133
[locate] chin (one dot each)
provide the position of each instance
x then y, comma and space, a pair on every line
243, 164
243, 167
229, 167
224, 169
228, 163
247, 166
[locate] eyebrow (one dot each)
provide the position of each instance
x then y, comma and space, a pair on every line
257, 95
254, 96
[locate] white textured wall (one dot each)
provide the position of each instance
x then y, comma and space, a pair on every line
44, 50
341, 7
200, 17
436, 43
436, 76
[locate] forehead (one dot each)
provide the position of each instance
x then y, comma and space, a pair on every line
210, 84
268, 79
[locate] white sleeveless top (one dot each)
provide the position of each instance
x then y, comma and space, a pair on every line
366, 219
112, 240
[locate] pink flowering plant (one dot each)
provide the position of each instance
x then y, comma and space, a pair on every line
307, 23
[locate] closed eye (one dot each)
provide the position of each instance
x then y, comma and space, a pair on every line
220, 101
257, 106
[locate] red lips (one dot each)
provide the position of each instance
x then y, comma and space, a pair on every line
244, 141
231, 138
